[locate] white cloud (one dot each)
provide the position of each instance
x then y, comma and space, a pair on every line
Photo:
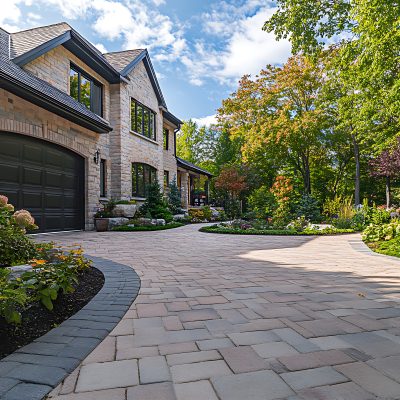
101, 47
246, 48
206, 121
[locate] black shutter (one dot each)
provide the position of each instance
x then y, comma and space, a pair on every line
96, 99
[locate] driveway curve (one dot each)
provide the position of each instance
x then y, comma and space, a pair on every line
245, 318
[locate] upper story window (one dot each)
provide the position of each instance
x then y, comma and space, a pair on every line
166, 139
143, 120
86, 90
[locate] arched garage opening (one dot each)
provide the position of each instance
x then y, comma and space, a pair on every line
44, 178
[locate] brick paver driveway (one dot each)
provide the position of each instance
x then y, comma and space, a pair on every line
245, 318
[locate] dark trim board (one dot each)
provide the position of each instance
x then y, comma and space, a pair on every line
34, 370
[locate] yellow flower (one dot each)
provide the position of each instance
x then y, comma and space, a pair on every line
36, 262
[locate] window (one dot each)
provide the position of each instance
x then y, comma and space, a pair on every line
166, 139
103, 178
143, 120
142, 176
166, 181
86, 90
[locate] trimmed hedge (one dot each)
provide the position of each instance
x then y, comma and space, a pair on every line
126, 228
277, 232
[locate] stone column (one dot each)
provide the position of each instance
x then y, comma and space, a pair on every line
184, 189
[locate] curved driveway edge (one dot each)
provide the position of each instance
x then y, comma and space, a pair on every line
34, 370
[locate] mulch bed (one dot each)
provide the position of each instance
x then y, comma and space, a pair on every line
37, 320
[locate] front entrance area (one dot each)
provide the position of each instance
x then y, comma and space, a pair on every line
45, 179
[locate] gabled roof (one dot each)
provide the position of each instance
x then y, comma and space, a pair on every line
26, 46
24, 41
121, 59
126, 61
27, 86
192, 167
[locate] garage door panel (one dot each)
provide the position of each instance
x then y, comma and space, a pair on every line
43, 178
55, 158
53, 179
55, 201
31, 200
9, 173
9, 149
33, 154
32, 176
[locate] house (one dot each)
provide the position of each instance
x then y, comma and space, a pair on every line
78, 127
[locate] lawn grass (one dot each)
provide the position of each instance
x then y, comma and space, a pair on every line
278, 232
387, 247
126, 228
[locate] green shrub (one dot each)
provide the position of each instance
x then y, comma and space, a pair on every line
375, 233
262, 202
299, 224
279, 232
12, 298
202, 214
174, 198
390, 247
15, 246
342, 223
380, 216
309, 208
155, 206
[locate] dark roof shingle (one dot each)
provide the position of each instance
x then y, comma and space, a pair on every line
121, 59
24, 41
15, 78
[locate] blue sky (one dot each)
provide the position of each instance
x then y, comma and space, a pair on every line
199, 48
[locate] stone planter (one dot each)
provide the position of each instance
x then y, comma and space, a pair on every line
117, 221
125, 210
101, 224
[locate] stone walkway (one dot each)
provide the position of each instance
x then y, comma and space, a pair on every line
245, 318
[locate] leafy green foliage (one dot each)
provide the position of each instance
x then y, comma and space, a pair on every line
174, 198
12, 298
281, 232
15, 246
390, 247
308, 207
155, 206
262, 202
375, 233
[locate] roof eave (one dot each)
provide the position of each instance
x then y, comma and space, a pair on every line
42, 100
144, 56
193, 168
74, 42
171, 118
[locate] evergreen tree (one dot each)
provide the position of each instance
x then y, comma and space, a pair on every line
174, 198
155, 204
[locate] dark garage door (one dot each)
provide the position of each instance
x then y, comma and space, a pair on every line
46, 179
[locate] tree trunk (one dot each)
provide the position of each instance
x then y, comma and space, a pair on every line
387, 192
306, 174
357, 176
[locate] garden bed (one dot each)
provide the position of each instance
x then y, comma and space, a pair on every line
387, 247
37, 320
127, 228
277, 232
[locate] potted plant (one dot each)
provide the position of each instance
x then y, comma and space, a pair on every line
101, 218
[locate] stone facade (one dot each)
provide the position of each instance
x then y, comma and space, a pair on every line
20, 116
120, 148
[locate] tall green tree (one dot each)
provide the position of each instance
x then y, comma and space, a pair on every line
277, 117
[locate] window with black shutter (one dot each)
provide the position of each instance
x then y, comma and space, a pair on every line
86, 90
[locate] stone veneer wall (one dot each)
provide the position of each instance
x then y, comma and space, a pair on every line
20, 116
169, 160
54, 67
134, 147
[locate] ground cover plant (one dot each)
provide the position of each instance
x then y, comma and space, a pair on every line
50, 277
